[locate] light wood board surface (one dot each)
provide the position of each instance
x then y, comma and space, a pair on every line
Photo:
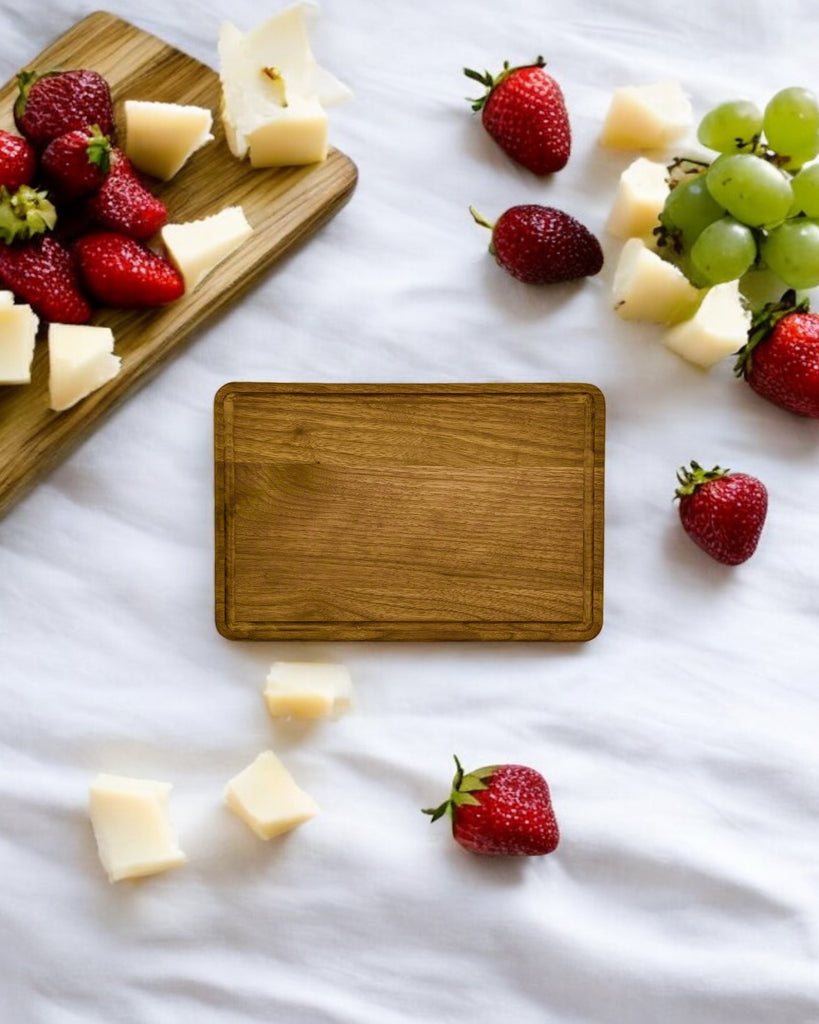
284, 206
409, 511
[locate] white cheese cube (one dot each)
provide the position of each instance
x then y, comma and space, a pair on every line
306, 689
161, 137
274, 92
718, 328
80, 360
130, 822
640, 196
18, 334
647, 287
265, 796
647, 116
197, 246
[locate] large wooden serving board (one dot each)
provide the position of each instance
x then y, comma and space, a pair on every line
284, 206
409, 511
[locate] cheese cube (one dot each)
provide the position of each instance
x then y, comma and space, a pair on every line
18, 334
131, 827
265, 796
274, 92
81, 360
646, 116
647, 287
197, 246
306, 689
641, 195
718, 328
161, 137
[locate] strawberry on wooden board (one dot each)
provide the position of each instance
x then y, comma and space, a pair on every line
18, 161
56, 102
120, 271
781, 358
42, 272
123, 204
501, 810
77, 162
722, 512
524, 111
542, 245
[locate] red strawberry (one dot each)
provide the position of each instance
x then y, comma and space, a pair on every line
122, 203
501, 810
76, 163
119, 271
524, 111
18, 161
721, 511
57, 102
542, 245
781, 359
42, 272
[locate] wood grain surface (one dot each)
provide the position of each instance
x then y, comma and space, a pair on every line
284, 206
409, 511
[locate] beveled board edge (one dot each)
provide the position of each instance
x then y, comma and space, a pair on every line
580, 631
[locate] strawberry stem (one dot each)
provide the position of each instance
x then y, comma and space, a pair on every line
762, 324
24, 214
490, 81
690, 479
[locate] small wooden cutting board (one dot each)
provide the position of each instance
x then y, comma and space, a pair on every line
284, 206
409, 511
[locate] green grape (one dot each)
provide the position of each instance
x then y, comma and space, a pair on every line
731, 126
792, 252
724, 251
750, 188
805, 187
791, 125
689, 208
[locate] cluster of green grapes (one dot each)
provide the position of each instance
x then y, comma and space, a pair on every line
757, 203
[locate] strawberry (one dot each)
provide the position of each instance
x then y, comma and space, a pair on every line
57, 102
542, 245
42, 272
123, 204
781, 358
501, 810
524, 111
119, 271
721, 511
77, 162
18, 161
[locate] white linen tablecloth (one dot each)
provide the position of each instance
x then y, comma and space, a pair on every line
681, 744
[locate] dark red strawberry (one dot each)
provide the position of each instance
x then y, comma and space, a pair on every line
42, 272
57, 102
781, 359
542, 245
119, 271
18, 161
721, 511
524, 111
123, 204
501, 810
76, 163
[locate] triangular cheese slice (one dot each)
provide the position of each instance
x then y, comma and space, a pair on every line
81, 360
